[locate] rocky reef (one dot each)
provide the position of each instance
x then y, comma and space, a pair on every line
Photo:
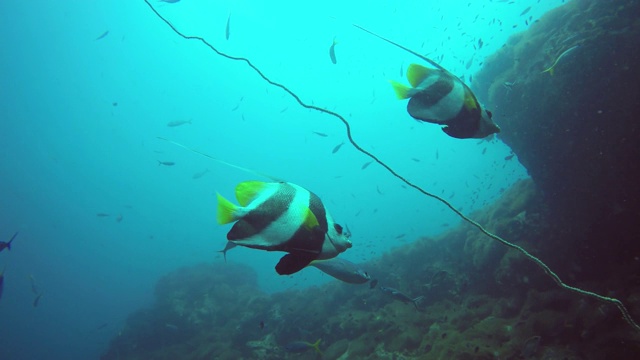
577, 133
481, 301
576, 130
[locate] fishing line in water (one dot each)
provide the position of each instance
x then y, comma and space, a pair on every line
623, 310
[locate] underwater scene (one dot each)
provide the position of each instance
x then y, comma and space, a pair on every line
190, 179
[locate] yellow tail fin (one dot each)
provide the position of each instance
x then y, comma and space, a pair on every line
402, 91
226, 210
316, 346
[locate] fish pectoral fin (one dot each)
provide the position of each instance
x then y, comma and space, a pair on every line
226, 210
292, 263
402, 91
248, 190
417, 73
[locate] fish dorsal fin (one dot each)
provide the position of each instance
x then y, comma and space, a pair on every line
417, 73
310, 221
248, 190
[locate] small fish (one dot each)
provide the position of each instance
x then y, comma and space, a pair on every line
102, 326
525, 11
365, 165
437, 155
119, 218
302, 346
530, 347
36, 301
102, 215
200, 174
401, 70
261, 325
283, 110
509, 157
230, 245
552, 68
1, 282
104, 34
34, 287
166, 163
415, 159
335, 149
7, 245
484, 151
227, 29
236, 107
342, 270
332, 51
396, 294
171, 327
170, 1
320, 134
373, 284
379, 191
400, 236
281, 216
178, 123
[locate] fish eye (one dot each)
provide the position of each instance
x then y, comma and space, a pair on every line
490, 114
338, 228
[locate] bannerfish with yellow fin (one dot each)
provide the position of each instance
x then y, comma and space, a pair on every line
439, 97
281, 216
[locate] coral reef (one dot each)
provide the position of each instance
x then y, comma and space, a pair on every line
507, 309
576, 132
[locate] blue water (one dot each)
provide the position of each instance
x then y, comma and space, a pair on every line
80, 119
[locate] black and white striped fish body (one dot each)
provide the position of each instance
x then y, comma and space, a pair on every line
438, 97
282, 216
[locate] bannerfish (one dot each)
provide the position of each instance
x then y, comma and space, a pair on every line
227, 29
7, 245
396, 294
166, 163
178, 123
439, 97
551, 69
332, 51
230, 245
281, 216
343, 270
302, 346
